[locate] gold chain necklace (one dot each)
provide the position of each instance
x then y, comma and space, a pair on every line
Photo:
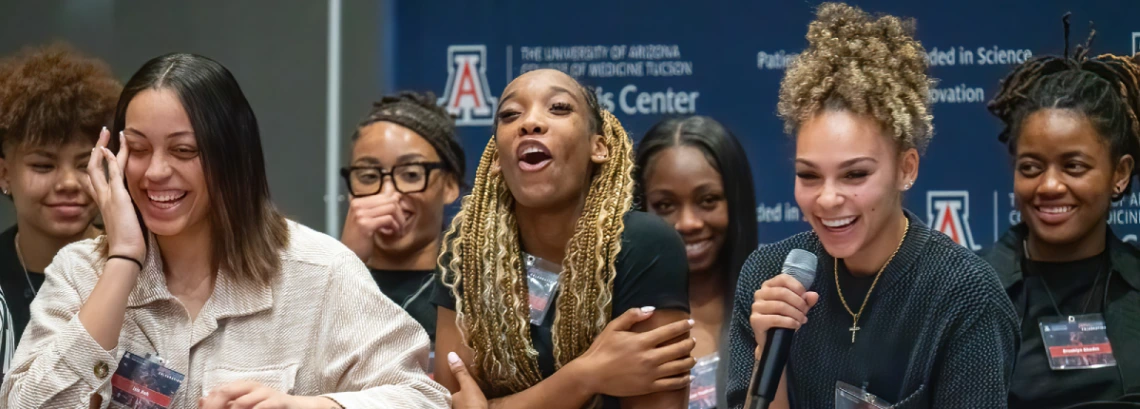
20, 255
855, 315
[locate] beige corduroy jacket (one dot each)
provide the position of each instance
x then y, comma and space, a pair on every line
321, 328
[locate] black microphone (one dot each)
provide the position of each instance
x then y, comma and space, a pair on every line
800, 264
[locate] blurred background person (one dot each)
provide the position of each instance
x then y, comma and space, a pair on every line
1071, 128
53, 101
407, 166
694, 174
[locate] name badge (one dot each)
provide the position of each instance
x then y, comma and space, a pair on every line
1076, 342
542, 281
702, 389
850, 397
144, 383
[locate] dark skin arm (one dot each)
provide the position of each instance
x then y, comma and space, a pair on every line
670, 399
577, 383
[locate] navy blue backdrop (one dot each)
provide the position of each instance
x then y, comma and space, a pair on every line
655, 59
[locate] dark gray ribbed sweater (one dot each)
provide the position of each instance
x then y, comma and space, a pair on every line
938, 330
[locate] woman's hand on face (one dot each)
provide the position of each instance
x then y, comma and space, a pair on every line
370, 215
108, 188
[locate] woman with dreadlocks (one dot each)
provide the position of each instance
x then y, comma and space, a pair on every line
555, 293
1071, 127
898, 314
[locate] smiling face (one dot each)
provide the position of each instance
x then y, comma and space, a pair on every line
547, 140
848, 180
1065, 177
164, 171
385, 144
683, 187
46, 187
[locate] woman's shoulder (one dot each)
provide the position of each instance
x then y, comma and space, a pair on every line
773, 254
643, 227
308, 246
765, 262
79, 253
963, 276
944, 257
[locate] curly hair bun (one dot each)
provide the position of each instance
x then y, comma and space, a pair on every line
868, 65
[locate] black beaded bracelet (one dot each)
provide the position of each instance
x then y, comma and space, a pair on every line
139, 263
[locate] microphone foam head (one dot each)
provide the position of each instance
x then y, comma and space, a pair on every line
800, 264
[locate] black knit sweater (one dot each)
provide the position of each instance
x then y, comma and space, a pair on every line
938, 330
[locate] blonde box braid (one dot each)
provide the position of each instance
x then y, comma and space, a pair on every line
483, 268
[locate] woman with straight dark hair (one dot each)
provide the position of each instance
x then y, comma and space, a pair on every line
200, 290
693, 173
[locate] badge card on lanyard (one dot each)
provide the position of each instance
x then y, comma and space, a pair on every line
851, 397
542, 281
144, 382
1076, 342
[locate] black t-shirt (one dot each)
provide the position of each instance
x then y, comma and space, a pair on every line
651, 271
411, 290
1035, 385
18, 294
855, 290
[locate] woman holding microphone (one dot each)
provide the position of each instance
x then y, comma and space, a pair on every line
898, 315
186, 300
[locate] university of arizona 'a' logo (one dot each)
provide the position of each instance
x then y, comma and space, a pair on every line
948, 211
466, 94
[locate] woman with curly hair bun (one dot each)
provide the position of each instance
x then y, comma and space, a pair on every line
53, 102
898, 314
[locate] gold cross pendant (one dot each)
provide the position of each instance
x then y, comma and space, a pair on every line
854, 328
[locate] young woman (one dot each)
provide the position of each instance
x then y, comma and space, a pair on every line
553, 291
681, 171
201, 281
896, 312
1072, 130
406, 167
54, 103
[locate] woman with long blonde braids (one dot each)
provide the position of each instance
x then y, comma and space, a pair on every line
552, 289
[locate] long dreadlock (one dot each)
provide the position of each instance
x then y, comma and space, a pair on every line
1105, 89
482, 266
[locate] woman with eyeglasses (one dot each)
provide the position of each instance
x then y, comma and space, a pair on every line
406, 167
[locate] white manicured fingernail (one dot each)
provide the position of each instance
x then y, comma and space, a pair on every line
452, 358
691, 322
648, 309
